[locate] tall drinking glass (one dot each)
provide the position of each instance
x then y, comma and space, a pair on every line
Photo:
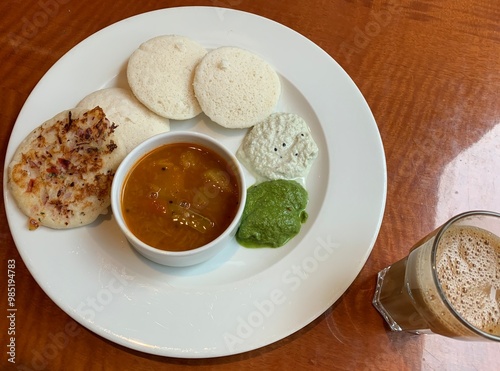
449, 284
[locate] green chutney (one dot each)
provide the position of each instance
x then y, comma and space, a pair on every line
273, 214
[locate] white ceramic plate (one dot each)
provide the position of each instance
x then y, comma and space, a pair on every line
243, 299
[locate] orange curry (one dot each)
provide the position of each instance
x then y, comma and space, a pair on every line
180, 196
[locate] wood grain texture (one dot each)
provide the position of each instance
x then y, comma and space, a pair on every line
429, 69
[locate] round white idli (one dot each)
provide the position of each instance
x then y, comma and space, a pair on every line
280, 147
235, 87
160, 73
136, 122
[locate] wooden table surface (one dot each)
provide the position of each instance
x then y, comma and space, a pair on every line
429, 70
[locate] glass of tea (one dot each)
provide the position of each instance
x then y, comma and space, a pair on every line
449, 284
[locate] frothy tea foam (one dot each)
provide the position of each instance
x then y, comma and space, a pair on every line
468, 267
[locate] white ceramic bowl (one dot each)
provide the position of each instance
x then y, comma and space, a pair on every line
176, 258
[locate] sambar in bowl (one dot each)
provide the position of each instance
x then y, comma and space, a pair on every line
178, 197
